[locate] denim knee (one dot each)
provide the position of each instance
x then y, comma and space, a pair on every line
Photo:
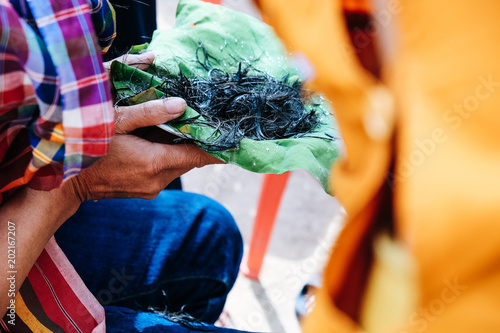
224, 233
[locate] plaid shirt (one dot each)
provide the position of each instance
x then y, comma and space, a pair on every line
56, 116
56, 119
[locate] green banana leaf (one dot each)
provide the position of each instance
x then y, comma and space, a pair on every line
229, 38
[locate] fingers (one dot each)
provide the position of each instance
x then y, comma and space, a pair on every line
184, 156
141, 61
129, 118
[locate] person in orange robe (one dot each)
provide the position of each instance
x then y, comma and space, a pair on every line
420, 177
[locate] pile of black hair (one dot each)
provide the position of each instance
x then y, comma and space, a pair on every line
180, 317
247, 103
185, 319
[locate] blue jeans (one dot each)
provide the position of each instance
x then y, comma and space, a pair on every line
177, 254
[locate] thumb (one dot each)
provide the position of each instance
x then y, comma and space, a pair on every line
151, 113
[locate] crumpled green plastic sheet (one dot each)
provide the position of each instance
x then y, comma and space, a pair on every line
231, 38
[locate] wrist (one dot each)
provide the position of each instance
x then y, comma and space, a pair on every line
69, 197
76, 189
60, 203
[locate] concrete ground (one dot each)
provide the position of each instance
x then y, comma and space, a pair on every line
308, 221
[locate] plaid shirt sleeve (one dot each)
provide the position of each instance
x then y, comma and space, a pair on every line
56, 114
56, 119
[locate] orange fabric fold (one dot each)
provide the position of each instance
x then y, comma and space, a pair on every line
443, 73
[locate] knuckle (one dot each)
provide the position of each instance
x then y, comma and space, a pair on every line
198, 160
152, 168
146, 110
150, 196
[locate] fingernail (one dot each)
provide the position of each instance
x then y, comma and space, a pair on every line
175, 105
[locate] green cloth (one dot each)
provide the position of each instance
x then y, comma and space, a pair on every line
231, 38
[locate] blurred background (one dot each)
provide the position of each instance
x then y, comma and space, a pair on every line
307, 222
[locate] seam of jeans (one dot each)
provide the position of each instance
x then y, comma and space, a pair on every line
129, 296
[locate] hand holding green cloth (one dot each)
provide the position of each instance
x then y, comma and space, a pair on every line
211, 34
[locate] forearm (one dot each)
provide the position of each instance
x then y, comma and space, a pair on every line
27, 222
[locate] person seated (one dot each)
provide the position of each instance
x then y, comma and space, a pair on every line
63, 146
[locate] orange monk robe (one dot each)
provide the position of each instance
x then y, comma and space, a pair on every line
442, 72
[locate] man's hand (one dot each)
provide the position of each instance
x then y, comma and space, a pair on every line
137, 168
134, 167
